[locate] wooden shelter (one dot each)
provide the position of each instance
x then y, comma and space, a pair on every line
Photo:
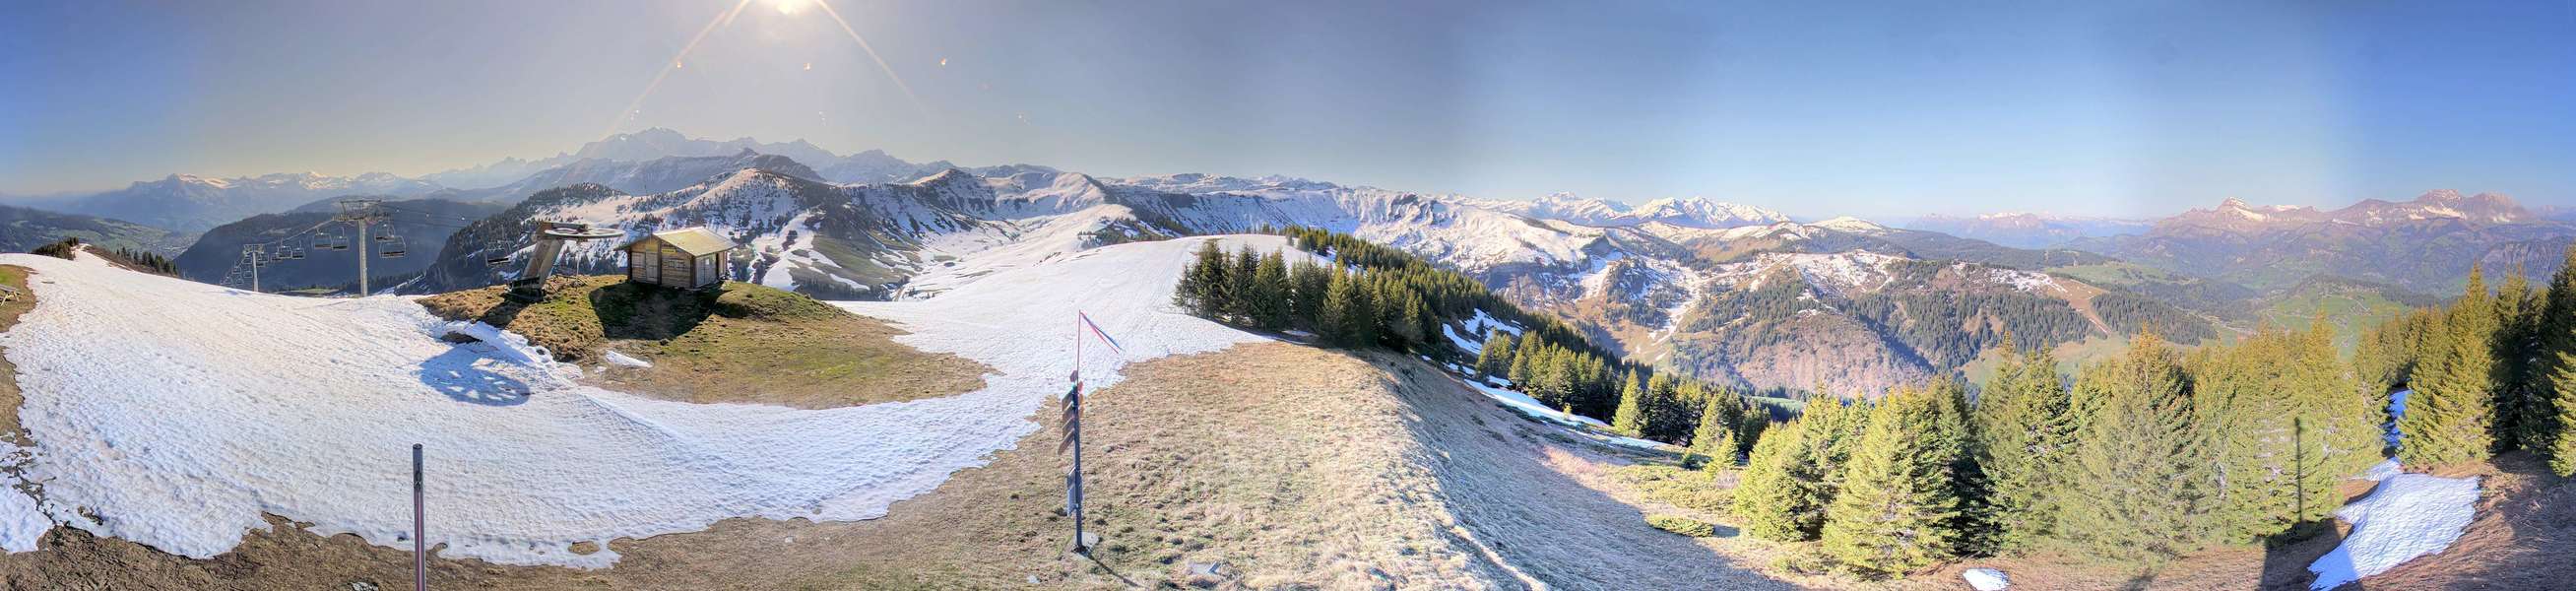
685, 258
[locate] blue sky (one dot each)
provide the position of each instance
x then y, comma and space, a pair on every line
2085, 108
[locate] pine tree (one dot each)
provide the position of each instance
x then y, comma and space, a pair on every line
1973, 528
2023, 415
2517, 376
1713, 441
2545, 408
1775, 497
1630, 418
1239, 290
1269, 298
1899, 503
1200, 290
1523, 359
1748, 429
2450, 416
2137, 479
1308, 281
1347, 319
2562, 444
2288, 424
1495, 357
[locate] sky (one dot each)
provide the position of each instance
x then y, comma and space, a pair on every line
1815, 109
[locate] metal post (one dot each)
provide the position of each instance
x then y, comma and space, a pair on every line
1073, 436
419, 527
362, 257
252, 252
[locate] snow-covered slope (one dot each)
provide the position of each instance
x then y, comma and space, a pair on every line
175, 414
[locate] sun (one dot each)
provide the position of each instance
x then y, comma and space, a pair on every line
789, 6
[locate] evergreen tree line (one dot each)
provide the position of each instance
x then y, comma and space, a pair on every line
2492, 372
148, 260
2132, 313
1375, 296
2142, 458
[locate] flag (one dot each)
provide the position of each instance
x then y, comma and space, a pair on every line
1104, 335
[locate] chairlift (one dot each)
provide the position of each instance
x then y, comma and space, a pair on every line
331, 240
392, 248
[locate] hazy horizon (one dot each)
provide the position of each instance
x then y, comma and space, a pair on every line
2123, 111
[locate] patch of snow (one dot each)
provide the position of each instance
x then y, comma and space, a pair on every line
2396, 410
1015, 319
623, 360
1986, 579
507, 345
1475, 346
22, 522
1531, 406
2383, 471
2409, 515
179, 413
1635, 443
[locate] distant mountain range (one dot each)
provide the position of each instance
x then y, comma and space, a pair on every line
190, 203
1730, 292
2426, 244
2027, 230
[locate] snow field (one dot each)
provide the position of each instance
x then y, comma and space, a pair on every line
2409, 515
179, 413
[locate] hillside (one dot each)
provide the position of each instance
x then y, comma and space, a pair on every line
423, 223
1365, 432
24, 228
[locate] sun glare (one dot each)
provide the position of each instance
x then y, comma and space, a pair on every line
789, 6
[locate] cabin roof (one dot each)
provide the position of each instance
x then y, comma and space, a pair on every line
697, 241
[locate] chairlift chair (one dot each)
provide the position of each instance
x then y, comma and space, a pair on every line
392, 248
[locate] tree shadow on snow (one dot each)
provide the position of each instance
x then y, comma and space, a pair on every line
1494, 475
455, 374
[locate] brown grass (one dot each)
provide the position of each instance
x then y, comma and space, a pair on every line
742, 343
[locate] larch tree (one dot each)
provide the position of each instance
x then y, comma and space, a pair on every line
1899, 502
2138, 479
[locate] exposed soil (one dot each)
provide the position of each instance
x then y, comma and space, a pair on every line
739, 343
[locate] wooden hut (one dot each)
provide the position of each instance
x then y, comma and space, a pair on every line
685, 258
